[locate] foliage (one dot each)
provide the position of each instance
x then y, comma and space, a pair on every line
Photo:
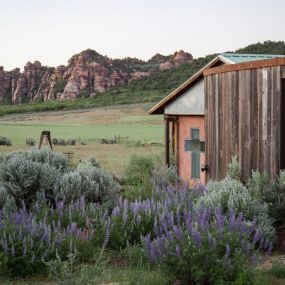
93, 183
277, 270
30, 141
267, 47
61, 270
270, 192
208, 247
59, 86
22, 179
5, 141
162, 176
130, 220
28, 238
232, 194
25, 174
139, 169
234, 169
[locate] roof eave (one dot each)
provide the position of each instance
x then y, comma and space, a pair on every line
159, 107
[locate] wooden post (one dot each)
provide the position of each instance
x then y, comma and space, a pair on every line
45, 135
166, 141
177, 145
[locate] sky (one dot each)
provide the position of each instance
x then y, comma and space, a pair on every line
51, 31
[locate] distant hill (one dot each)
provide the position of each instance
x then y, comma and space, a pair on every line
104, 81
158, 85
86, 75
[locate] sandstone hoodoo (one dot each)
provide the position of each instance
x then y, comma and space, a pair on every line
87, 74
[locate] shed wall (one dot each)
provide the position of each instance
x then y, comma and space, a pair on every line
242, 117
191, 102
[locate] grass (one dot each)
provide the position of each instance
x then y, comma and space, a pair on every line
107, 273
89, 275
90, 125
143, 132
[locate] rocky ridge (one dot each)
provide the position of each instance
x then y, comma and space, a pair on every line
87, 74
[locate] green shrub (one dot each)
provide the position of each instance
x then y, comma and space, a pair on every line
277, 270
139, 169
94, 183
5, 141
25, 174
30, 141
47, 156
162, 176
3, 264
91, 161
71, 141
234, 169
270, 192
207, 248
107, 188
232, 194
62, 270
22, 179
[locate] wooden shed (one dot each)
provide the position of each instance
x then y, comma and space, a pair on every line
245, 116
184, 119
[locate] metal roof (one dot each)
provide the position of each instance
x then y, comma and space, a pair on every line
244, 57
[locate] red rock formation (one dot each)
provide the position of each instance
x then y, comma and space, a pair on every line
87, 73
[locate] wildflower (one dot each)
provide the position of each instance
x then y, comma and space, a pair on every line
178, 251
228, 251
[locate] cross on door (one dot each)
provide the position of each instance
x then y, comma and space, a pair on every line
196, 147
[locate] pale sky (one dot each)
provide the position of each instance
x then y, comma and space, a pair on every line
51, 31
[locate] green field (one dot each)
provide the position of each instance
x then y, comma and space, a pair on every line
90, 126
17, 132
132, 122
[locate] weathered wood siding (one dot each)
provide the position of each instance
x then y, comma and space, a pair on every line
243, 118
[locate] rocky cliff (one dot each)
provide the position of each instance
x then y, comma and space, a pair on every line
87, 74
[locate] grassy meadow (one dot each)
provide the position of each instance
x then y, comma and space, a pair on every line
90, 126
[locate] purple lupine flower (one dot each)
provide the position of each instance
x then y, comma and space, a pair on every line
210, 239
169, 235
24, 252
160, 244
228, 251
256, 237
253, 260
13, 250
125, 216
178, 220
147, 241
187, 217
178, 233
116, 211
197, 238
138, 219
153, 253
155, 227
232, 220
178, 251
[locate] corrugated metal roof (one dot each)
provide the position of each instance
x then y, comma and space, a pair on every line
244, 57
